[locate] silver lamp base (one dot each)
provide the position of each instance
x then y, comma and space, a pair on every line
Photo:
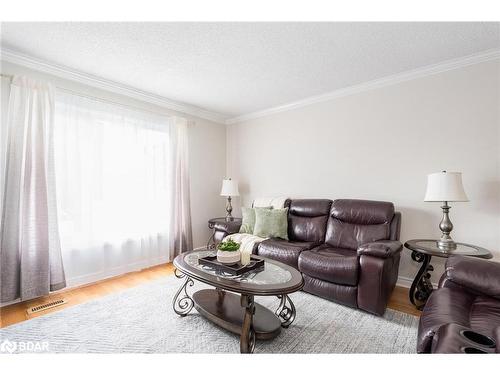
229, 209
445, 243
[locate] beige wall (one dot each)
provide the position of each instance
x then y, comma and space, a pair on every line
207, 150
381, 144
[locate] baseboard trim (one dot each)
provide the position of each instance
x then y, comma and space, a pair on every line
91, 278
404, 282
113, 272
5, 304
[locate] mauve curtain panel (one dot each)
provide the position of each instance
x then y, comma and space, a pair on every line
30, 254
181, 238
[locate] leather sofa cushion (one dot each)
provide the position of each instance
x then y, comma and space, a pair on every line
331, 264
355, 222
351, 236
343, 294
478, 275
444, 306
310, 207
307, 219
282, 250
453, 305
485, 315
380, 249
363, 212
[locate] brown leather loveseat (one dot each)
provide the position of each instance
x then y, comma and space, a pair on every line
347, 250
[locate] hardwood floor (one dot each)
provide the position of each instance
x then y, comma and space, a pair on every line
401, 302
17, 312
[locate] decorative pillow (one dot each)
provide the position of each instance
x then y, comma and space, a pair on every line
271, 223
248, 219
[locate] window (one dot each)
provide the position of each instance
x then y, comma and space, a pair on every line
113, 180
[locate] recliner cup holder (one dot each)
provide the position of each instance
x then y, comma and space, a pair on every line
473, 350
478, 339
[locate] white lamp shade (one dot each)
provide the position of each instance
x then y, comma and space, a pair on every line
445, 187
229, 188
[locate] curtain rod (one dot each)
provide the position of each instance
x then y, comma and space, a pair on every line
10, 76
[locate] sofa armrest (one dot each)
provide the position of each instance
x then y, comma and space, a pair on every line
478, 275
380, 249
228, 227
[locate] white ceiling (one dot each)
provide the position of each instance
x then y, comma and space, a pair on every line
239, 68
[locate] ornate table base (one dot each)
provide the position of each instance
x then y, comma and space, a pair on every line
182, 303
421, 288
422, 252
239, 314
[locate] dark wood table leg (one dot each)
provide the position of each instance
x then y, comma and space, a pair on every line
182, 303
284, 312
421, 288
247, 338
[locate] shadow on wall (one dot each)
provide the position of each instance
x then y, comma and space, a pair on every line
490, 197
418, 224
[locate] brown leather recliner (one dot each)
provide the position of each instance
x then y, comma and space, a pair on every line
468, 298
358, 263
347, 250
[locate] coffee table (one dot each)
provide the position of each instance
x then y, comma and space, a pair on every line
231, 304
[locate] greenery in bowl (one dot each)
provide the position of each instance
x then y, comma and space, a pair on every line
228, 245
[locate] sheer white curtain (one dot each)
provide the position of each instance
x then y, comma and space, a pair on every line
114, 168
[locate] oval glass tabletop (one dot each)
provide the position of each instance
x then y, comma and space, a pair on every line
430, 247
274, 278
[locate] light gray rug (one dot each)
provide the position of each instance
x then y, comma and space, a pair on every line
141, 320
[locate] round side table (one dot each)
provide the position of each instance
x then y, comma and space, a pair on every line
422, 251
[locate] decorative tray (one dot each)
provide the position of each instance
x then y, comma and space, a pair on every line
233, 269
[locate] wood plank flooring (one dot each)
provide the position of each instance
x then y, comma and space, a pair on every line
17, 312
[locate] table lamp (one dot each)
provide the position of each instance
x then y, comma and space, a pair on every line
445, 187
229, 189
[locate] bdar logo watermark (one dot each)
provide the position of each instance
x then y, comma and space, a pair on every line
8, 346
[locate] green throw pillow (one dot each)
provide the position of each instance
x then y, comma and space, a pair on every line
248, 219
271, 223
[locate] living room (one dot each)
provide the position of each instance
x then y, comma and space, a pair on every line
292, 187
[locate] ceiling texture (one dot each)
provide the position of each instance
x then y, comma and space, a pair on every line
235, 69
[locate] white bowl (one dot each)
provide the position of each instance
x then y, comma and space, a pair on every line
228, 257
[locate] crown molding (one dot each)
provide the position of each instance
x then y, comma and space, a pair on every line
61, 71
65, 72
377, 83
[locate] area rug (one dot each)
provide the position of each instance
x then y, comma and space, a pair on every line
141, 320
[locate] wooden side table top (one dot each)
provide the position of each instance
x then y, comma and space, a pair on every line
430, 247
222, 220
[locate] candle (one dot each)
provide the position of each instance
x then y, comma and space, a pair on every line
245, 257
